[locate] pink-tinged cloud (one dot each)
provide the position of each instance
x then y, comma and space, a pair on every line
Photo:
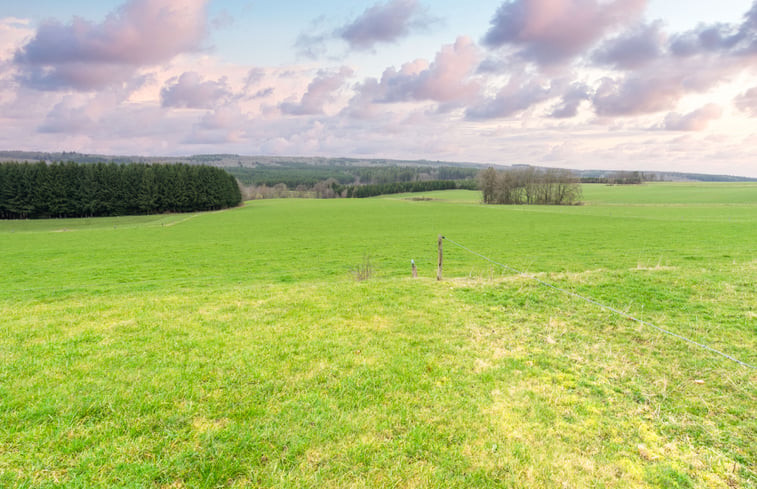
13, 32
363, 104
252, 89
254, 76
747, 102
82, 55
636, 95
189, 91
554, 31
659, 73
710, 38
447, 80
262, 93
385, 23
722, 38
226, 117
320, 92
220, 126
694, 121
660, 85
633, 49
518, 95
66, 118
571, 101
312, 46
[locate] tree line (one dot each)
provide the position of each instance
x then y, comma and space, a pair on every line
621, 178
303, 176
529, 186
332, 189
41, 190
362, 191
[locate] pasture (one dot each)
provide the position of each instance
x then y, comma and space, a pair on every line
237, 349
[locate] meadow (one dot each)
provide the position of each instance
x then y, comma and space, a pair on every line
237, 349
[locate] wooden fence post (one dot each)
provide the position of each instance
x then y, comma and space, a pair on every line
441, 255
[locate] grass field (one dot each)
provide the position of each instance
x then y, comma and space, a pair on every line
236, 349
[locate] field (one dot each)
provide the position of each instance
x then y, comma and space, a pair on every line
237, 348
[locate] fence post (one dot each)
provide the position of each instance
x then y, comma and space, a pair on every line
441, 255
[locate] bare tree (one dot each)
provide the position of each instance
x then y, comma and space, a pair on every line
529, 185
487, 181
326, 189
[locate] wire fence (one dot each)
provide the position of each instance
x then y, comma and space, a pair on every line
603, 306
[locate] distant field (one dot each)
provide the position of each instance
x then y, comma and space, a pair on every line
236, 348
677, 193
696, 193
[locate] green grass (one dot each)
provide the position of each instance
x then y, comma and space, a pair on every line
236, 349
678, 193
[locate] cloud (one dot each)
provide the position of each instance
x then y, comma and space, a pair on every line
384, 23
223, 20
66, 118
445, 80
312, 45
638, 94
720, 38
254, 76
189, 91
633, 49
555, 31
448, 80
320, 92
226, 117
571, 101
263, 93
660, 72
219, 126
649, 71
631, 74
518, 95
252, 84
710, 38
363, 104
13, 31
660, 85
82, 55
694, 121
747, 101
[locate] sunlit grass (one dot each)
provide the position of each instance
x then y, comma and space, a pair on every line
661, 193
236, 349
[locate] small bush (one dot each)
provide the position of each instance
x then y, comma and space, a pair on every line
364, 270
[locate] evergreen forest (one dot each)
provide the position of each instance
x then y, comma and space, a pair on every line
56, 190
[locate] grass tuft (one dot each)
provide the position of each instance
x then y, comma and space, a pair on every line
364, 270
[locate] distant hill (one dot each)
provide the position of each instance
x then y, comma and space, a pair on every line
663, 176
240, 161
223, 160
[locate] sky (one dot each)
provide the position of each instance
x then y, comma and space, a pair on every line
666, 85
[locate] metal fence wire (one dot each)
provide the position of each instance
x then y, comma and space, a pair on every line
599, 304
